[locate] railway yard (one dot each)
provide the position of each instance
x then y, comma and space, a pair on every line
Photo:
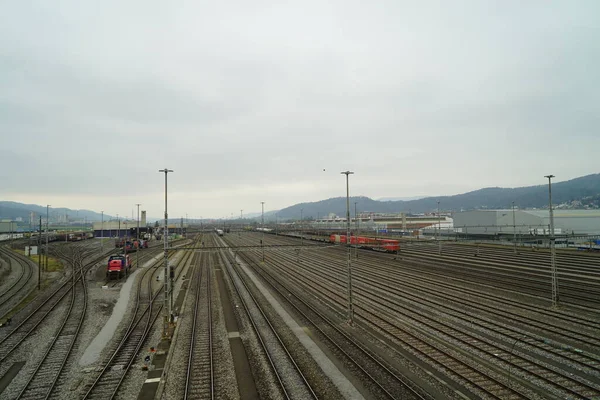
260, 315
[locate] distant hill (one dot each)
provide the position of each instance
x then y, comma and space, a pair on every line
12, 210
400, 198
576, 193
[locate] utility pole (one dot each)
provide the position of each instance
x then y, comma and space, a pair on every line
262, 241
514, 228
168, 304
349, 283
555, 296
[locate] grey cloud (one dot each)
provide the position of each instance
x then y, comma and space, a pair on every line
418, 98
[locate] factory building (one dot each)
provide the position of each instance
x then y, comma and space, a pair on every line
391, 223
8, 226
527, 222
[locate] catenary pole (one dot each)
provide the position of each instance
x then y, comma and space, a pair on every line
439, 229
262, 241
137, 250
356, 234
47, 234
102, 234
514, 228
39, 256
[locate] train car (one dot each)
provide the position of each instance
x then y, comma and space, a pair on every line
364, 242
117, 266
389, 245
219, 232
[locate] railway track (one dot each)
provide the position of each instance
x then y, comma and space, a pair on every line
381, 311
24, 276
200, 374
38, 310
290, 378
382, 378
530, 282
146, 311
45, 376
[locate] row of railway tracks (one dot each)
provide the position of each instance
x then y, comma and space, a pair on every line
16, 288
290, 379
200, 371
383, 380
46, 375
475, 344
501, 265
57, 313
146, 310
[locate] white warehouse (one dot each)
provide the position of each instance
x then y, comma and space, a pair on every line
537, 222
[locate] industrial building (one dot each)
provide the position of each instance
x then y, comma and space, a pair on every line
8, 226
389, 223
527, 222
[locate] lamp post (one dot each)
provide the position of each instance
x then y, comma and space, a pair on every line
168, 304
349, 283
102, 234
555, 297
514, 228
47, 232
262, 241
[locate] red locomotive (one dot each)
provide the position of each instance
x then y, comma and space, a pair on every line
387, 245
118, 265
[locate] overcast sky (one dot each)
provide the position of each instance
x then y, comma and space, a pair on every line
256, 101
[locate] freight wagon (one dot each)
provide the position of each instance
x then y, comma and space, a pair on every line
363, 242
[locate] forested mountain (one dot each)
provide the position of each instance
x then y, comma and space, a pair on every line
583, 192
13, 210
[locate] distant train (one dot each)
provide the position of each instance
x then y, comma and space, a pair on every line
64, 237
219, 232
265, 230
131, 245
387, 245
117, 266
